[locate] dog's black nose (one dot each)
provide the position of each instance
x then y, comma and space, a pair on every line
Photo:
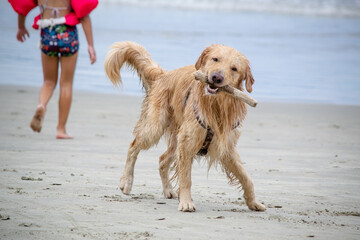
217, 78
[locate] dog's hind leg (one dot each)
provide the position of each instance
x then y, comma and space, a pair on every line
148, 132
127, 178
237, 174
138, 144
165, 161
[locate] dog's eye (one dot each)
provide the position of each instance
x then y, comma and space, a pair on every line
234, 69
215, 59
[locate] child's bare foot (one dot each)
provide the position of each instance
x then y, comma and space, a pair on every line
61, 134
37, 121
64, 136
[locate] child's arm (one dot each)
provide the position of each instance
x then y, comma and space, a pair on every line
22, 31
86, 24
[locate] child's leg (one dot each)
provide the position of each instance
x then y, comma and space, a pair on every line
66, 83
50, 72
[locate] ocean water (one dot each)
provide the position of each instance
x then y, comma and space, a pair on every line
299, 50
341, 8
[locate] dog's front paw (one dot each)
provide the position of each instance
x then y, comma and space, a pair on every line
126, 184
186, 206
169, 193
256, 206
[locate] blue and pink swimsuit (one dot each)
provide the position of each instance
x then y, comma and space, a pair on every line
59, 36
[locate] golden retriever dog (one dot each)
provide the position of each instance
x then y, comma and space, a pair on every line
196, 119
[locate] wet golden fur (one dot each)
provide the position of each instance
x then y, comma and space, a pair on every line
164, 112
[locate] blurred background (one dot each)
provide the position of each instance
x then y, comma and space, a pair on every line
300, 50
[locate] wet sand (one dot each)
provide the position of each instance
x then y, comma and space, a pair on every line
304, 160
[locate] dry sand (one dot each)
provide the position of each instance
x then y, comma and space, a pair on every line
303, 159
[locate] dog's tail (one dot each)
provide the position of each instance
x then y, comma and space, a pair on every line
137, 58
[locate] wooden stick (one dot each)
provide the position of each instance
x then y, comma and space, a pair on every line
228, 89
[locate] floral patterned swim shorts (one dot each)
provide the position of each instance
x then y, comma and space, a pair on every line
59, 40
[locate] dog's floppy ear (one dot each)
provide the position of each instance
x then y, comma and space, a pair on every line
202, 58
249, 79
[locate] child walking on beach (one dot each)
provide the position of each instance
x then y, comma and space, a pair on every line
59, 45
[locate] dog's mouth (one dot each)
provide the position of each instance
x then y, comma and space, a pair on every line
212, 90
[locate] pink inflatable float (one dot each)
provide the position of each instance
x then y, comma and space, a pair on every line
81, 9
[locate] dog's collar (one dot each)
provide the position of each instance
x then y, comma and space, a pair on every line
187, 96
198, 118
195, 110
209, 133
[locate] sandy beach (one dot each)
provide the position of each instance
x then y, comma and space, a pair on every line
303, 159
